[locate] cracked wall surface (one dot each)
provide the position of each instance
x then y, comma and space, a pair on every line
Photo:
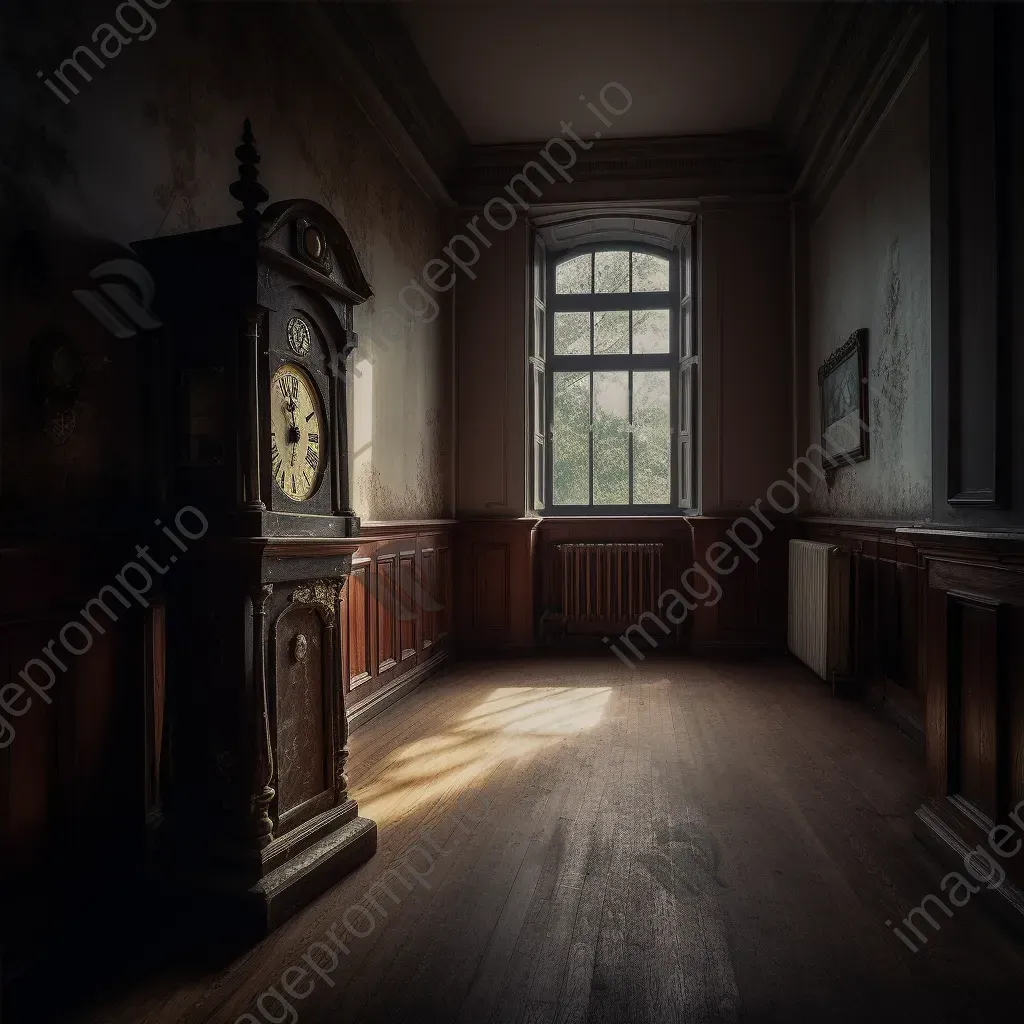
870, 266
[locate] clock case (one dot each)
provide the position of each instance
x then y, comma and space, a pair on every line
226, 296
252, 803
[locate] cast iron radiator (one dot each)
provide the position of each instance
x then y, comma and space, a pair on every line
818, 623
608, 583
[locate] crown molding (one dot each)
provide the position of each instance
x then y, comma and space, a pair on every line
856, 62
375, 59
737, 165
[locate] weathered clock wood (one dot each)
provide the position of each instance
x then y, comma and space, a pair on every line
258, 332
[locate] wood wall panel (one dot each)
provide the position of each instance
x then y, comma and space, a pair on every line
885, 629
79, 773
974, 644
386, 577
978, 336
972, 600
357, 617
428, 583
507, 575
494, 583
977, 227
443, 593
491, 583
673, 533
408, 619
395, 611
750, 612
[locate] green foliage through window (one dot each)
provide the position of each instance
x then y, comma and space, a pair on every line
613, 367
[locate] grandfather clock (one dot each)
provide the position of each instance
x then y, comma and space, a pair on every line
257, 332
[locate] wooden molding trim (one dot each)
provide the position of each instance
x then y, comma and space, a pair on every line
681, 167
944, 828
361, 713
379, 529
974, 277
857, 61
370, 50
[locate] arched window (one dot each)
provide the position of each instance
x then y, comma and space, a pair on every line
619, 393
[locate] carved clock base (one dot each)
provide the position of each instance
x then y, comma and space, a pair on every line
289, 878
309, 874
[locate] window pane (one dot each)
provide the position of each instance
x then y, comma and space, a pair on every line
611, 438
650, 331
650, 273
570, 453
611, 272
652, 452
572, 334
611, 332
572, 277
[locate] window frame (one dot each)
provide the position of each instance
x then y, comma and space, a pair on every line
668, 362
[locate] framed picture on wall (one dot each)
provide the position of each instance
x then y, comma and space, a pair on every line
843, 390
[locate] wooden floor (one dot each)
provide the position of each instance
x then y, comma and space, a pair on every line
693, 841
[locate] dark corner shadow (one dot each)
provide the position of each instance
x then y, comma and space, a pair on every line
114, 945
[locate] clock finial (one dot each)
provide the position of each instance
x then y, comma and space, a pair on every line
247, 190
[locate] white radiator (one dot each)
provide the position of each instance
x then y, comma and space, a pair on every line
819, 608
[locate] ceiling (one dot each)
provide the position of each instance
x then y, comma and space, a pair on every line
512, 73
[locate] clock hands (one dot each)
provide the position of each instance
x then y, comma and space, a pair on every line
298, 422
294, 434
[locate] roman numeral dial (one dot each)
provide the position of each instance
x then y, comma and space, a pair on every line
296, 419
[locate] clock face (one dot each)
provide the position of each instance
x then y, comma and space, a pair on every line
298, 336
296, 428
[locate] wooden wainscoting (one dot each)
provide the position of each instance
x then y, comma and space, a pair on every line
750, 614
885, 603
973, 669
672, 533
395, 612
80, 776
506, 576
494, 584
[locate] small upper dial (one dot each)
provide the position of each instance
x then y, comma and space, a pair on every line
299, 339
296, 428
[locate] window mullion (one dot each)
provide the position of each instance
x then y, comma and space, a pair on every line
632, 435
590, 437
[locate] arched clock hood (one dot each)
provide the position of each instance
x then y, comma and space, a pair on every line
308, 237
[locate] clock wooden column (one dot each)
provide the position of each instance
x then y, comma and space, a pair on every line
256, 342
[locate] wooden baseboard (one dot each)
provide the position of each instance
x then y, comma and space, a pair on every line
726, 649
933, 828
404, 684
905, 718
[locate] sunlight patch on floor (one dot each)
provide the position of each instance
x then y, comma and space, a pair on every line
512, 721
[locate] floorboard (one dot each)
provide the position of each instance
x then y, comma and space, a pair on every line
691, 841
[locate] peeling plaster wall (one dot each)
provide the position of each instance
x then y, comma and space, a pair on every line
870, 266
147, 148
